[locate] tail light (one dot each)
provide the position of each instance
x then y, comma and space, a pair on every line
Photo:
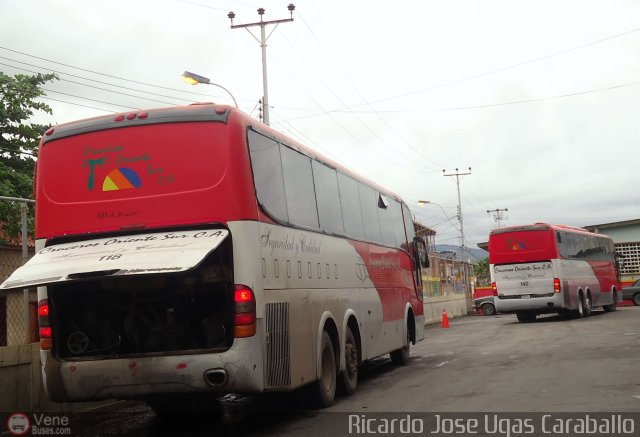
44, 325
495, 288
245, 317
556, 285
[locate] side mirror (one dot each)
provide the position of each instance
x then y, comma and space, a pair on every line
420, 252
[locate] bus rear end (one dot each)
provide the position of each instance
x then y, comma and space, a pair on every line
522, 266
135, 216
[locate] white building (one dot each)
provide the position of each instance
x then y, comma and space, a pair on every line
626, 236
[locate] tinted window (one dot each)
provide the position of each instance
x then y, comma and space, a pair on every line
267, 175
408, 223
328, 198
579, 246
369, 206
350, 202
398, 224
385, 217
300, 193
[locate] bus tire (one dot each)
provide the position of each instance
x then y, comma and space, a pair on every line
579, 313
614, 304
588, 304
349, 377
324, 389
526, 316
401, 356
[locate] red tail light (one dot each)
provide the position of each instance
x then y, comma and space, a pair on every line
556, 285
245, 318
45, 326
495, 288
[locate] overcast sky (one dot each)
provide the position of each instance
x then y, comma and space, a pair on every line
540, 98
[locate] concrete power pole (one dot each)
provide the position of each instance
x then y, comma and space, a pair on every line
263, 45
498, 215
457, 174
463, 248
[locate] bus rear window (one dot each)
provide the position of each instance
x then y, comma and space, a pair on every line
133, 162
121, 177
521, 246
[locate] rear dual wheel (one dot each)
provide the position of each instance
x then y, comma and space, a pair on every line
349, 376
324, 389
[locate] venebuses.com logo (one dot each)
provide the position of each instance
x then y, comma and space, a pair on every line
18, 424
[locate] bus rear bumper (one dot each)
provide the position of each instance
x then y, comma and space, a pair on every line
541, 305
237, 370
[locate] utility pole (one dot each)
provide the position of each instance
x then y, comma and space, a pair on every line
463, 248
457, 174
498, 215
263, 44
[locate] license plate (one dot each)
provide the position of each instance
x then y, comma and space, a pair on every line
526, 296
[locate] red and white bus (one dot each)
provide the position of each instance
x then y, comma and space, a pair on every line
543, 268
194, 250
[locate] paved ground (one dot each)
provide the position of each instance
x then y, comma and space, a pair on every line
480, 364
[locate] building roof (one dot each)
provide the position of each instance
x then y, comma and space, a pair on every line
621, 224
422, 229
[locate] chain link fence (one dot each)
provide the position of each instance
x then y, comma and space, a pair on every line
19, 308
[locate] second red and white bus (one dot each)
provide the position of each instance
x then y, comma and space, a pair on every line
543, 268
194, 251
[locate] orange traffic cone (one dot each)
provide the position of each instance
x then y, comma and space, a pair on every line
445, 319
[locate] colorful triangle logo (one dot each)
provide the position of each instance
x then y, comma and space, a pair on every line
121, 179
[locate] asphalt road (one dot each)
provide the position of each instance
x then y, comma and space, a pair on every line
480, 364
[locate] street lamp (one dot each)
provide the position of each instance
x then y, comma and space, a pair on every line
428, 202
195, 79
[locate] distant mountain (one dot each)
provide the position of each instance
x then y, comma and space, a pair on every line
474, 254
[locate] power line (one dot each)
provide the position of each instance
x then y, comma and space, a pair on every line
79, 104
101, 74
501, 69
87, 98
89, 79
356, 139
348, 80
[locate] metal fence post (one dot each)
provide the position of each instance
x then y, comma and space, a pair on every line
25, 256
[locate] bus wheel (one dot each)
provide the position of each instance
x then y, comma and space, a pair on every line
614, 304
526, 316
325, 386
588, 305
401, 356
349, 377
580, 311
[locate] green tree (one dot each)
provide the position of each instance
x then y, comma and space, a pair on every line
19, 143
481, 271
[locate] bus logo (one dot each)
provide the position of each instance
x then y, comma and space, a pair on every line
517, 245
122, 178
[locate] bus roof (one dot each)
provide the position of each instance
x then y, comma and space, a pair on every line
543, 227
